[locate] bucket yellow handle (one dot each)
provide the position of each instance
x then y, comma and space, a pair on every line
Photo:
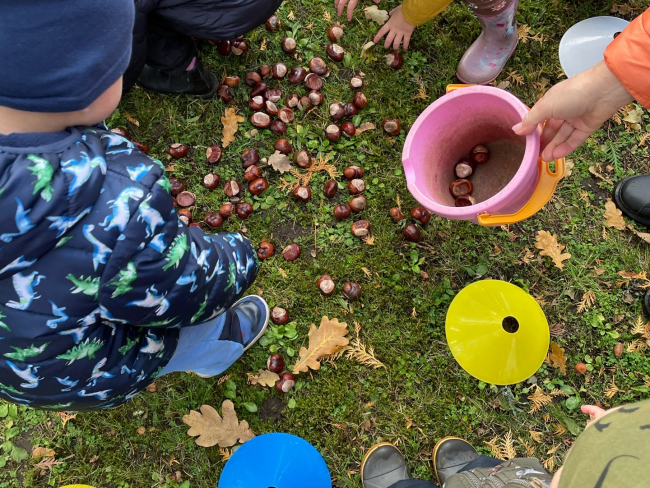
451, 88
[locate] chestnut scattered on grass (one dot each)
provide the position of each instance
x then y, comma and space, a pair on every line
143, 147
258, 186
213, 154
176, 185
231, 81
279, 316
224, 48
288, 45
313, 82
356, 82
252, 78
286, 382
348, 128
342, 211
291, 252
350, 109
581, 368
195, 224
259, 89
266, 250
392, 127
302, 193
421, 214
333, 133
330, 188
232, 188
464, 168
260, 120
264, 71
275, 363
239, 47
252, 173
480, 154
335, 52
297, 75
279, 71
185, 215
360, 228
278, 127
271, 109
273, 94
292, 100
302, 159
460, 187
318, 66
337, 110
256, 103
360, 100
411, 233
358, 203
121, 131
226, 210
352, 172
178, 150
243, 210
273, 23
304, 103
326, 285
335, 32
283, 146
396, 214
352, 290
250, 157
394, 59
211, 181
213, 220
223, 91
185, 199
316, 98
356, 186
286, 115
465, 201
618, 350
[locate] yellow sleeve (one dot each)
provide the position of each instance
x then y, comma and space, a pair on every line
417, 12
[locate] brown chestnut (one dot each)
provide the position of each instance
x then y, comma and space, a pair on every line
279, 71
353, 172
224, 48
396, 214
580, 368
279, 315
292, 100
231, 81
480, 154
211, 181
259, 89
316, 98
288, 45
297, 75
411, 233
464, 168
252, 78
238, 47
272, 25
356, 186
264, 71
283, 146
342, 211
213, 220
350, 109
335, 32
273, 94
266, 250
618, 350
358, 203
465, 201
271, 108
302, 193
256, 103
258, 186
304, 103
223, 91
333, 133
185, 215
348, 128
226, 210
394, 59
360, 228
291, 252
337, 110
360, 100
232, 188
286, 382
244, 210
318, 66
313, 81
335, 52
250, 157
252, 173
121, 131
275, 363
421, 214
195, 224
185, 199
278, 127
352, 290
302, 159
213, 154
326, 285
178, 150
330, 188
392, 127
142, 147
460, 187
260, 120
176, 185
356, 82
286, 115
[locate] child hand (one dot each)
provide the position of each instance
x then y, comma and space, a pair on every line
594, 411
398, 29
339, 5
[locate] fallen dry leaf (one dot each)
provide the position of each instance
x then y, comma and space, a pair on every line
557, 357
291, 16
364, 127
211, 429
366, 49
539, 400
47, 464
547, 243
131, 119
263, 45
230, 121
263, 378
324, 340
373, 13
613, 216
170, 168
41, 452
280, 162
65, 417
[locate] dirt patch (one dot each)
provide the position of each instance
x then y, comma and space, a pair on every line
591, 184
287, 233
272, 410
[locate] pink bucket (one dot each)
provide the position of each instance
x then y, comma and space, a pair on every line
512, 186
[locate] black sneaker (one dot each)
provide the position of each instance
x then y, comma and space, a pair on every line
450, 455
199, 82
383, 466
632, 196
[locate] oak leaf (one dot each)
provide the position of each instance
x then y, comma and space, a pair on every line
325, 340
280, 162
547, 243
211, 429
263, 378
613, 216
230, 121
373, 13
557, 357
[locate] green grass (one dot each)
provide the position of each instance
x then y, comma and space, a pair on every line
422, 395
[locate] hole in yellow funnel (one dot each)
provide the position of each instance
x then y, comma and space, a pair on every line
510, 325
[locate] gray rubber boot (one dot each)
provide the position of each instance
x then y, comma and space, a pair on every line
450, 455
383, 466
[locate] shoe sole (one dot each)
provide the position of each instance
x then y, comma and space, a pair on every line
624, 208
266, 322
490, 81
373, 449
435, 451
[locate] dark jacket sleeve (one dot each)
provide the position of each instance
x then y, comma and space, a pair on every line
165, 274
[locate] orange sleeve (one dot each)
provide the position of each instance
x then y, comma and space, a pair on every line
628, 57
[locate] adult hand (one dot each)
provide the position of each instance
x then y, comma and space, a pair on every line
575, 109
339, 5
398, 29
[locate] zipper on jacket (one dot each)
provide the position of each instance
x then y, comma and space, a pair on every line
471, 477
521, 483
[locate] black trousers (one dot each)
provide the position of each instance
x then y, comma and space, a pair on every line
480, 462
164, 31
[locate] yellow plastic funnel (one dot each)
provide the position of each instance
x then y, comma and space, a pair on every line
497, 332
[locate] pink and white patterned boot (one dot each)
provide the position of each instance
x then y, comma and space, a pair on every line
485, 59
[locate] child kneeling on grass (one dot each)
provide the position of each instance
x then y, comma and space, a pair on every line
102, 287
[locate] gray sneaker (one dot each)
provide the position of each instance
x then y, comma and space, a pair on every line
383, 466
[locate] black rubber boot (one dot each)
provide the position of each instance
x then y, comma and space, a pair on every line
199, 82
383, 466
632, 196
450, 455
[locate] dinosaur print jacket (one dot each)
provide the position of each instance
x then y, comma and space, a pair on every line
97, 273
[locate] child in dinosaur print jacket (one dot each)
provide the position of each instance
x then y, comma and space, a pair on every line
102, 287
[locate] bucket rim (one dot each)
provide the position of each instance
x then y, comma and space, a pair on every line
492, 204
